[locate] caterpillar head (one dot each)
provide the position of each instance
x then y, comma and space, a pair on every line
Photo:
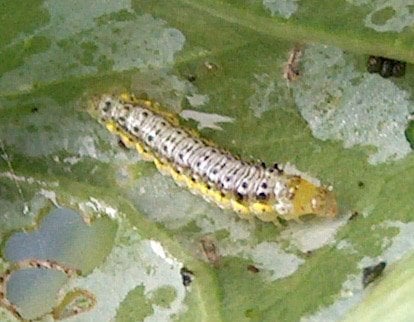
311, 199
304, 197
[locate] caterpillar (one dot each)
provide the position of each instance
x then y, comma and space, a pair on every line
248, 188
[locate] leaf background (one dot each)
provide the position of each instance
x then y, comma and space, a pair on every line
56, 54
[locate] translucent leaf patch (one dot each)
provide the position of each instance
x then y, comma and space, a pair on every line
341, 103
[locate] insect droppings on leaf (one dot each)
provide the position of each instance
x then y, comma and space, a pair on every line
371, 273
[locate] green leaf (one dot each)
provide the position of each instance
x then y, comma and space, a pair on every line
89, 231
394, 294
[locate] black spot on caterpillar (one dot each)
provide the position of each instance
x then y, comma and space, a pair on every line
247, 188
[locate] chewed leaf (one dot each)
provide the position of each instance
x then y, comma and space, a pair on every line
60, 232
91, 232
